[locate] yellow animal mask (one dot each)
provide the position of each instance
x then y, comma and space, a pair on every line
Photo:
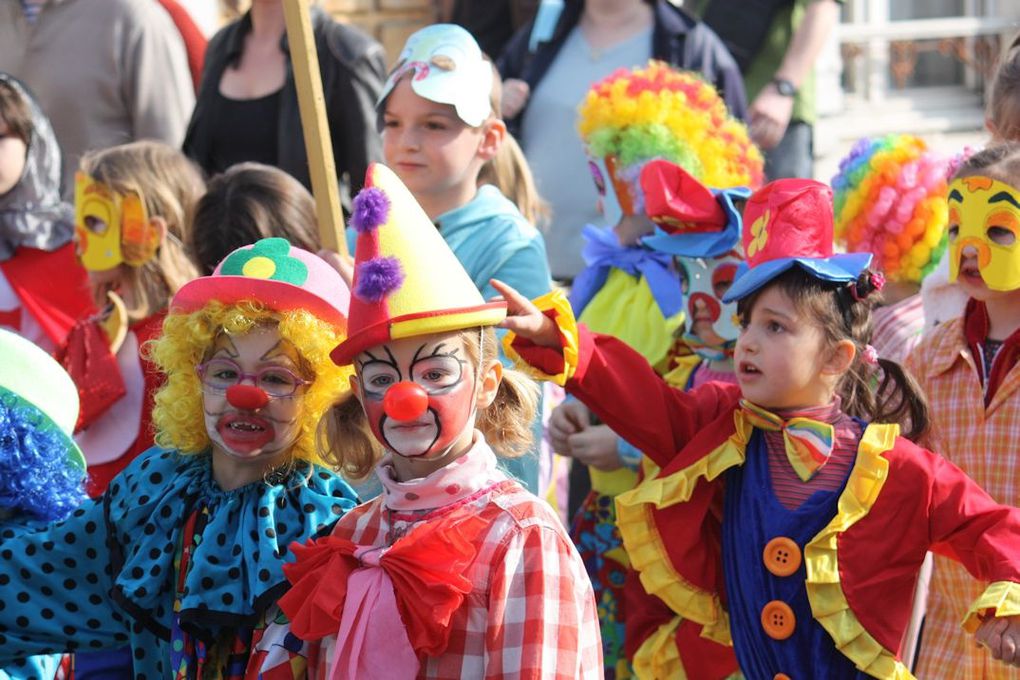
111, 228
986, 216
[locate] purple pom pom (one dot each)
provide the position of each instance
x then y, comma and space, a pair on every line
377, 278
371, 208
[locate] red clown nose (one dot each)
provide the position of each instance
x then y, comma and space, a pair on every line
406, 401
248, 397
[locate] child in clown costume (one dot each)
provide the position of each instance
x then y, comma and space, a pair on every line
968, 368
657, 137
781, 521
182, 556
42, 471
890, 200
454, 571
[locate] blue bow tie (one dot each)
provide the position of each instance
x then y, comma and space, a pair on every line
603, 252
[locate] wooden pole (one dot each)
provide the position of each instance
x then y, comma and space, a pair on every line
318, 144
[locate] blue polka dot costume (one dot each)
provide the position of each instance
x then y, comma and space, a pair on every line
108, 575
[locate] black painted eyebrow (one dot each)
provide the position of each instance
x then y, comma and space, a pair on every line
1004, 196
955, 195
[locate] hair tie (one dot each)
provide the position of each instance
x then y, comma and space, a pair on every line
861, 289
870, 355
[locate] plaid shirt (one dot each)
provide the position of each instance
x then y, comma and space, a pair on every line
983, 442
531, 611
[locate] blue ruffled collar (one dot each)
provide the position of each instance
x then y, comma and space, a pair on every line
242, 537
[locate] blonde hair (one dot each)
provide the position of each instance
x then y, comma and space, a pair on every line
170, 185
509, 171
347, 443
178, 414
1004, 100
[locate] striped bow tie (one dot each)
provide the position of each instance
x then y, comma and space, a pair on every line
808, 442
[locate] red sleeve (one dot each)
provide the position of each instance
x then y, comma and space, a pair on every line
622, 388
969, 526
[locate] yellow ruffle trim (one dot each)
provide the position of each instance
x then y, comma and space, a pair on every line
829, 605
644, 544
1003, 597
567, 324
657, 658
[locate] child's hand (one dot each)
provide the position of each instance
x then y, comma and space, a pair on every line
524, 319
1001, 635
567, 419
596, 447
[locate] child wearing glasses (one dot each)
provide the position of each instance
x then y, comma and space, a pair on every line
184, 553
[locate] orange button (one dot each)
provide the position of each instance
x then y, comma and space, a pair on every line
780, 676
781, 556
778, 620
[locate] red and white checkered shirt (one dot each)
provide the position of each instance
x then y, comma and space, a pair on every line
531, 611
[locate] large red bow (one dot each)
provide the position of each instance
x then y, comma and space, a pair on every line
426, 567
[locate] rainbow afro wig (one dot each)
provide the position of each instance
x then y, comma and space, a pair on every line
633, 116
890, 200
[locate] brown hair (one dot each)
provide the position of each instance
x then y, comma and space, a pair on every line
347, 443
1001, 162
1004, 97
15, 112
509, 171
249, 202
170, 184
843, 312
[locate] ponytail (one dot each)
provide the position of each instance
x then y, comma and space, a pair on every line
509, 172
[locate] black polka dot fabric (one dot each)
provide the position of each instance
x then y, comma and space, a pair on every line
104, 577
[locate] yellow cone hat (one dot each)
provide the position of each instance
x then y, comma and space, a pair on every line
407, 281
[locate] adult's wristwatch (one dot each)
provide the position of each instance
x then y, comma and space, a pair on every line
784, 87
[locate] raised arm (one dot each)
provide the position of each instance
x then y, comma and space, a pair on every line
613, 380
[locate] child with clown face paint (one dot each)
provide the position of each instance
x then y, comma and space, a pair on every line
454, 570
782, 524
181, 558
968, 368
657, 138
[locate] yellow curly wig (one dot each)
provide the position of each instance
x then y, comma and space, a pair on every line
178, 416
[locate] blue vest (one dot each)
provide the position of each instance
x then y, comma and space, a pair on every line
752, 517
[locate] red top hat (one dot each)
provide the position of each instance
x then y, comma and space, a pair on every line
789, 223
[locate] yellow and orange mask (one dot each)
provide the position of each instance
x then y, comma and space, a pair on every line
112, 228
984, 214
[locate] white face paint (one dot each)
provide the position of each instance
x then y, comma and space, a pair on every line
437, 364
712, 328
254, 435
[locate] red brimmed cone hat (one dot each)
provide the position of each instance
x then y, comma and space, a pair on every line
407, 281
788, 223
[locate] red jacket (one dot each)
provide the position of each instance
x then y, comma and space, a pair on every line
899, 502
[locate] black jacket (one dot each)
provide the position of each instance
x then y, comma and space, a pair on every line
677, 38
353, 69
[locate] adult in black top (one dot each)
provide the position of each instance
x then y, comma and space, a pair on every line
677, 38
247, 106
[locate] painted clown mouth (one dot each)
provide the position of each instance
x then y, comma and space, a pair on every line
245, 433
